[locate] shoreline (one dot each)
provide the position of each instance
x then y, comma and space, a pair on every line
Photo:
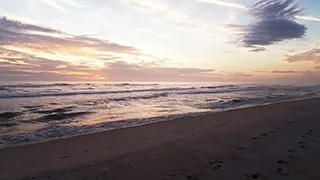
164, 119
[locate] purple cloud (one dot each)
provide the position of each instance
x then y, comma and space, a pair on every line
274, 21
32, 36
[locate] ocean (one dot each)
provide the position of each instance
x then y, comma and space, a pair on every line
36, 111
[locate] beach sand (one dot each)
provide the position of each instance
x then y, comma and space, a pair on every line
276, 141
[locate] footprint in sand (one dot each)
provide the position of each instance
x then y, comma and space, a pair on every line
282, 162
281, 172
217, 167
86, 151
242, 147
216, 161
290, 156
236, 157
63, 157
303, 142
193, 176
308, 133
256, 176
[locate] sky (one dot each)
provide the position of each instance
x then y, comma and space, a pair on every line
160, 40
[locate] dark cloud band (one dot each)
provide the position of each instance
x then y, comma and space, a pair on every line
273, 21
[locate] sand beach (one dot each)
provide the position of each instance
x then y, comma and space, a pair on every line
275, 141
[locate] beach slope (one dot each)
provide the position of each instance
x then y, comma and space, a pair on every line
276, 141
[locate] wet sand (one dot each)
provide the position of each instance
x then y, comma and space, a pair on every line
277, 141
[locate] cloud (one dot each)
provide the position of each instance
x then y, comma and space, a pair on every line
243, 7
15, 34
73, 3
236, 74
60, 4
123, 71
16, 26
312, 56
36, 49
258, 49
274, 21
176, 16
308, 18
224, 3
161, 9
286, 72
33, 52
52, 3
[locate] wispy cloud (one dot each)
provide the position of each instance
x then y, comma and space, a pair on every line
224, 3
60, 4
52, 3
122, 71
236, 74
178, 17
286, 71
312, 56
73, 3
274, 71
308, 18
161, 9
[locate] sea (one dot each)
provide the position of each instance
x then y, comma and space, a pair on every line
38, 111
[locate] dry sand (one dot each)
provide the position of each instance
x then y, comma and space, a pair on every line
277, 141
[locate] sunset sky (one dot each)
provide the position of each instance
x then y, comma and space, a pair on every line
160, 40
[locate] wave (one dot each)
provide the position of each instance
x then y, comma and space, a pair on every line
42, 94
130, 84
62, 131
61, 116
141, 97
219, 87
237, 102
177, 90
225, 104
27, 85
